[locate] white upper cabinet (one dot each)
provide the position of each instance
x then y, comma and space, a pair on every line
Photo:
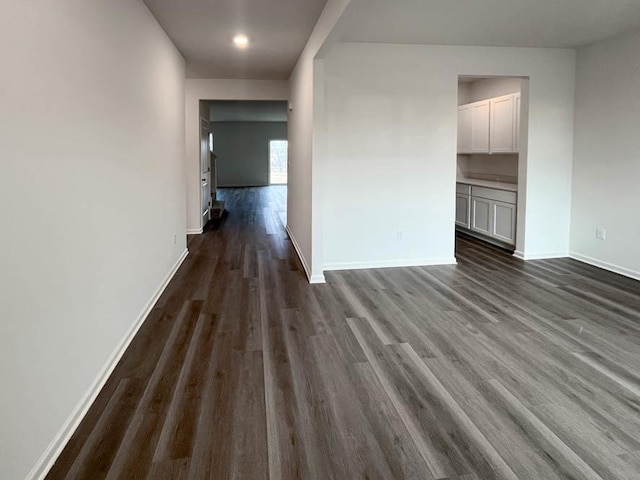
473, 128
480, 127
501, 126
464, 129
490, 126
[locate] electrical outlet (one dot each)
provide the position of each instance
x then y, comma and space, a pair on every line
601, 234
399, 234
174, 238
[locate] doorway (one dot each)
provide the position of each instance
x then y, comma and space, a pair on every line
205, 171
249, 151
249, 136
278, 162
491, 159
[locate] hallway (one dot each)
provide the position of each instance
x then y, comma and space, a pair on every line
491, 369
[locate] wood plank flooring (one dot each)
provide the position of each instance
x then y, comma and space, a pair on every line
491, 369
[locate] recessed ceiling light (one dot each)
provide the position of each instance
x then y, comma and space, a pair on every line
241, 41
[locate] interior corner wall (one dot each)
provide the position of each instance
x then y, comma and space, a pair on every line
300, 121
92, 193
606, 170
304, 216
215, 89
390, 170
464, 93
242, 150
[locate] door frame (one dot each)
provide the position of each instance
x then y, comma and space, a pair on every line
205, 169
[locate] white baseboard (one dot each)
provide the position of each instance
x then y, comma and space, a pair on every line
605, 265
539, 256
419, 262
307, 270
194, 231
48, 458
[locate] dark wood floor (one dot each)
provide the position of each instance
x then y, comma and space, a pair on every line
491, 369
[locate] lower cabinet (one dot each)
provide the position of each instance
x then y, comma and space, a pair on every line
488, 212
481, 215
463, 210
503, 226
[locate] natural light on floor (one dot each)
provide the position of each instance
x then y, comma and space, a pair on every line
278, 161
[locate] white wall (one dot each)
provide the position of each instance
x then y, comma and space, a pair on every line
486, 88
606, 171
215, 89
391, 150
503, 165
306, 127
91, 193
242, 149
300, 121
464, 93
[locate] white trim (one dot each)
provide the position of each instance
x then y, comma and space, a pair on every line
195, 231
605, 265
539, 256
419, 262
307, 270
50, 455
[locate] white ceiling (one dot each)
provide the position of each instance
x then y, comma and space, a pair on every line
517, 23
203, 31
248, 111
278, 29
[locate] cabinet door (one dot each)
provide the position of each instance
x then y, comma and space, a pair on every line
481, 215
516, 123
463, 210
480, 127
502, 127
503, 225
464, 129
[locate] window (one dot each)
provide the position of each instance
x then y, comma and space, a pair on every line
278, 161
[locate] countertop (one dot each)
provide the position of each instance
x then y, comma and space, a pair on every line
510, 187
